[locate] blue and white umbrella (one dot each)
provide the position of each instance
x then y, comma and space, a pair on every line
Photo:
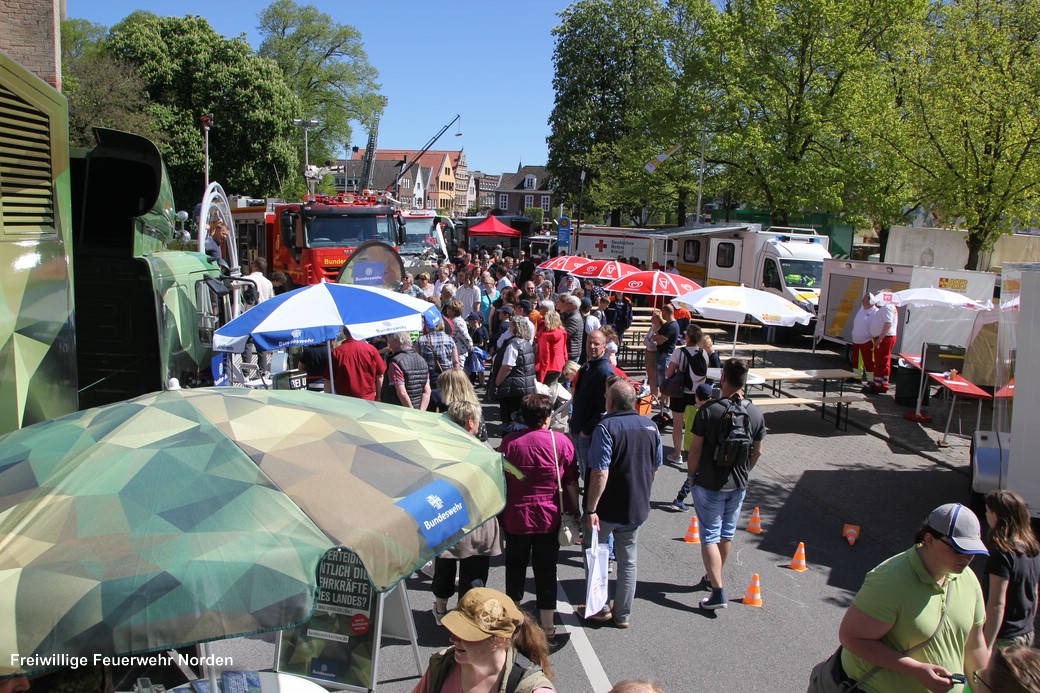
314, 314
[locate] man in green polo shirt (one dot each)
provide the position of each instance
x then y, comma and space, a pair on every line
901, 605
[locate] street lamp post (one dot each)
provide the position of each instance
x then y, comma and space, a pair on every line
306, 125
207, 123
581, 195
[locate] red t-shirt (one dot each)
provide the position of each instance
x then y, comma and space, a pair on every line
356, 365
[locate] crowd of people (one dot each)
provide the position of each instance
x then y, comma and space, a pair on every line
544, 348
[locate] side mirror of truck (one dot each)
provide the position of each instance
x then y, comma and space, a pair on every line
288, 223
401, 236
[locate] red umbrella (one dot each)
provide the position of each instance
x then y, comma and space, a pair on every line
604, 269
652, 283
564, 263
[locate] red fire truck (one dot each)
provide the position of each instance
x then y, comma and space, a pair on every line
311, 240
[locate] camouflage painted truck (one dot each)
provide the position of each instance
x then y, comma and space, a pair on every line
95, 304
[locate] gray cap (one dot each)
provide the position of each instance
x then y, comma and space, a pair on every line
960, 525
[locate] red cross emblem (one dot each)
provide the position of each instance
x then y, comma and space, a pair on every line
601, 245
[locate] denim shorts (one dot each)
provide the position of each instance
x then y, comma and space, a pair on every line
717, 512
662, 366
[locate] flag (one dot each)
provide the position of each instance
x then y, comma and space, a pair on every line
652, 165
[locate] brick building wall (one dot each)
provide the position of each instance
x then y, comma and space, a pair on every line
30, 32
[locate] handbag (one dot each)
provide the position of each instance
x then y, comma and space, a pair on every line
569, 530
673, 385
829, 675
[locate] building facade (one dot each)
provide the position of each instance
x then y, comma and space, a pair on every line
525, 189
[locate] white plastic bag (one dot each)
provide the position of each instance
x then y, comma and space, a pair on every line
597, 560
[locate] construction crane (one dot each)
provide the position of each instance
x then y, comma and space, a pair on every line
368, 165
426, 148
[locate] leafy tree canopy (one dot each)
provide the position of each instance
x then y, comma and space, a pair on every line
190, 70
325, 65
102, 91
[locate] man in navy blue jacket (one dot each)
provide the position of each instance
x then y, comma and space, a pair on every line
625, 455
590, 396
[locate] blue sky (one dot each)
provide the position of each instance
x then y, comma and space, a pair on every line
500, 83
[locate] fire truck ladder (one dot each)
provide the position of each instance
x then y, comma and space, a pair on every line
370, 150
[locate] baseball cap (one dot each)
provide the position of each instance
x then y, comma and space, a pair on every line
432, 319
474, 316
525, 304
483, 613
506, 309
960, 525
704, 391
585, 302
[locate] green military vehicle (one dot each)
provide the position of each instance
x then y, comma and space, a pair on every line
95, 304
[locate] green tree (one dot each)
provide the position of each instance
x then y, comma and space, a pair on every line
791, 76
968, 89
102, 91
610, 65
190, 70
325, 65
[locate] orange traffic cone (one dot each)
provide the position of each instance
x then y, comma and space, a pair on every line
693, 532
798, 562
754, 593
755, 525
851, 533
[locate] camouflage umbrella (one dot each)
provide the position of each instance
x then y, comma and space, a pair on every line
194, 515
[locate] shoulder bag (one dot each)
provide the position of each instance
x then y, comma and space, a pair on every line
829, 675
678, 382
569, 530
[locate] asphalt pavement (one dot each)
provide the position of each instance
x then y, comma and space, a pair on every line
884, 474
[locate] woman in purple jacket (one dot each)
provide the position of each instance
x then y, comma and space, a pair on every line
532, 514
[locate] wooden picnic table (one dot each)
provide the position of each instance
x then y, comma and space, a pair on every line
724, 350
778, 375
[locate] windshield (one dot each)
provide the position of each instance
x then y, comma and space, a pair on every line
418, 235
348, 231
802, 274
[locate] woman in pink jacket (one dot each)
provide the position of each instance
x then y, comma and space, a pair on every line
532, 514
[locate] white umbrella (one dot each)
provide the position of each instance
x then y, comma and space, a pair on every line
929, 296
738, 303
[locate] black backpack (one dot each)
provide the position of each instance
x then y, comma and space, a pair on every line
696, 363
733, 441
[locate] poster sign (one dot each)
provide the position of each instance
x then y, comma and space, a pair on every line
339, 643
563, 235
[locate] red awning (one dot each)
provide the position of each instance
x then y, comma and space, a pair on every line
493, 227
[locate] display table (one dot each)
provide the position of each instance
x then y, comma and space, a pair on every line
953, 386
958, 386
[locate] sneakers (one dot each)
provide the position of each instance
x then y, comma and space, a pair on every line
717, 600
622, 624
438, 615
704, 585
603, 616
675, 458
679, 506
